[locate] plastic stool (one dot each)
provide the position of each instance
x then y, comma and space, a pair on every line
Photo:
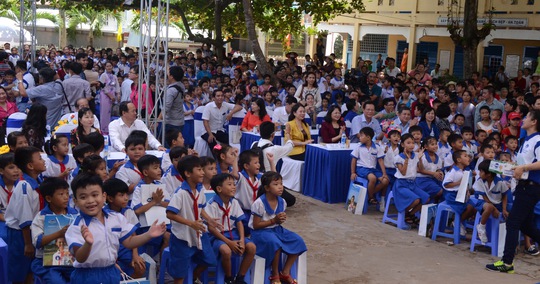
163, 267
3, 261
492, 230
439, 231
391, 218
236, 260
298, 269
363, 182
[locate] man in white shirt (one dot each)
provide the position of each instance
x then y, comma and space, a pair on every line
214, 115
120, 129
391, 70
126, 89
281, 114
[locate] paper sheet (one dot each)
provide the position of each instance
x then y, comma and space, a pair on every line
463, 187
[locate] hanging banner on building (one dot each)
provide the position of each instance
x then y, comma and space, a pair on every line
498, 22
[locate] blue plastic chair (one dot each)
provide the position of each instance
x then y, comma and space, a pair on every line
439, 229
3, 261
165, 258
391, 218
363, 182
492, 230
236, 260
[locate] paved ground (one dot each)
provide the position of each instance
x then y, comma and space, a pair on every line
345, 248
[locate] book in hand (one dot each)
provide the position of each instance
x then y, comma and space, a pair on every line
56, 253
156, 212
505, 169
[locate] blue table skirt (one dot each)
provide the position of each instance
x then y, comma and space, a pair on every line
248, 138
327, 174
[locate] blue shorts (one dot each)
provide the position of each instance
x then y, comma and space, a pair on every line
125, 257
458, 207
217, 243
182, 255
51, 274
364, 172
18, 264
479, 205
92, 275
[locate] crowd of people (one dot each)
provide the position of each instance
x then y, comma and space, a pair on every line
416, 135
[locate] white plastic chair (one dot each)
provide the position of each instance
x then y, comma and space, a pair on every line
200, 146
14, 122
235, 124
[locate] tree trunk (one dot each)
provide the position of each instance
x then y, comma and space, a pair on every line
62, 29
469, 60
470, 38
218, 46
91, 36
262, 64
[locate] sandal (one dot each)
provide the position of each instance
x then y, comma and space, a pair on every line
373, 201
275, 279
287, 279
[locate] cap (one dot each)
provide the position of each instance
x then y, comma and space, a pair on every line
451, 83
536, 75
514, 115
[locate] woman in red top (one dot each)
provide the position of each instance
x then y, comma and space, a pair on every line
255, 116
6, 107
145, 108
333, 126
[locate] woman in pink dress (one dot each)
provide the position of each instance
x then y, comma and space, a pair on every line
110, 93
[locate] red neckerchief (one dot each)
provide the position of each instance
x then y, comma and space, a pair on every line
139, 173
254, 188
195, 208
179, 178
226, 216
9, 193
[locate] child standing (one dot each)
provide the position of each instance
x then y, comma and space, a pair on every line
129, 173
468, 144
231, 239
189, 240
95, 236
407, 197
267, 215
58, 162
391, 151
416, 132
485, 122
511, 143
56, 193
513, 129
451, 183
493, 192
249, 179
189, 122
10, 175
24, 205
364, 161
430, 174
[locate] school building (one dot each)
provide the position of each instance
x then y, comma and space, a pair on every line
389, 26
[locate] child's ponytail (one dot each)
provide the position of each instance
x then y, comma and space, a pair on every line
53, 142
220, 149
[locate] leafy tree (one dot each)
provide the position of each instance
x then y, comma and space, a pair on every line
94, 18
14, 13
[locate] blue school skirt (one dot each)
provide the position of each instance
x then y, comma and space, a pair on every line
429, 185
182, 255
189, 132
51, 274
93, 275
405, 193
390, 172
3, 231
216, 243
458, 207
18, 264
269, 240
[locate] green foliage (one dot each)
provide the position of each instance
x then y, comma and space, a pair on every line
13, 12
338, 47
94, 18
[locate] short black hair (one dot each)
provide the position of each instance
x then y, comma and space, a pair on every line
171, 135
6, 160
484, 166
484, 147
24, 156
12, 138
146, 161
454, 137
415, 128
478, 131
94, 139
177, 73
177, 152
206, 160
509, 137
368, 131
467, 129
187, 164
139, 133
47, 74
134, 140
83, 180
91, 163
267, 128
81, 149
123, 107
50, 185
457, 154
219, 179
76, 67
114, 186
245, 157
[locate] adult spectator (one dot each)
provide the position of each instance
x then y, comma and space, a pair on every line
299, 132
25, 82
85, 126
281, 114
49, 93
403, 121
147, 104
333, 126
309, 87
371, 89
109, 95
214, 116
255, 116
488, 94
80, 104
521, 82
366, 120
4, 63
391, 69
174, 100
126, 87
420, 74
436, 72
75, 87
6, 109
404, 60
35, 126
120, 129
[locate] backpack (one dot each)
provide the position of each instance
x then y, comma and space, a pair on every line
259, 150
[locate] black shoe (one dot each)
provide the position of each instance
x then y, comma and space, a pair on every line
500, 266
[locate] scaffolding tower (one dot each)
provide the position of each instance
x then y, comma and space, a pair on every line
153, 64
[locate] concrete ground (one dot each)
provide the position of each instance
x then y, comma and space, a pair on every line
345, 248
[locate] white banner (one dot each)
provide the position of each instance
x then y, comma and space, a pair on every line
498, 22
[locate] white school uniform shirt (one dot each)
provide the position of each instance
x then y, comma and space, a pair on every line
227, 216
4, 193
412, 165
130, 215
262, 209
129, 174
367, 157
530, 153
472, 149
448, 160
37, 228
430, 165
54, 166
494, 191
454, 175
389, 156
443, 150
246, 190
182, 203
107, 237
337, 83
166, 161
24, 204
171, 180
137, 201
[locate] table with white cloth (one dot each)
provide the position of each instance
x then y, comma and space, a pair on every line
327, 172
114, 157
248, 138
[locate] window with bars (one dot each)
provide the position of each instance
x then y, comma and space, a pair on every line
391, 3
380, 2
374, 43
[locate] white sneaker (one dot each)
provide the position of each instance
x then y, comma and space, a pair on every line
481, 229
462, 230
382, 205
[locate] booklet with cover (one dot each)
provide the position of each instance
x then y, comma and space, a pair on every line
56, 253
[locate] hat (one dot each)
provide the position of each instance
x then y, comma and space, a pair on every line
451, 83
536, 75
514, 115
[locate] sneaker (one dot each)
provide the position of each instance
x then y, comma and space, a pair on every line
382, 205
462, 230
501, 267
532, 250
482, 233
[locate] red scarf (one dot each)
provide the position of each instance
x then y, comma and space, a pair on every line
254, 188
226, 216
9, 193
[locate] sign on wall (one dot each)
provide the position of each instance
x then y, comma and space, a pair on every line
499, 22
